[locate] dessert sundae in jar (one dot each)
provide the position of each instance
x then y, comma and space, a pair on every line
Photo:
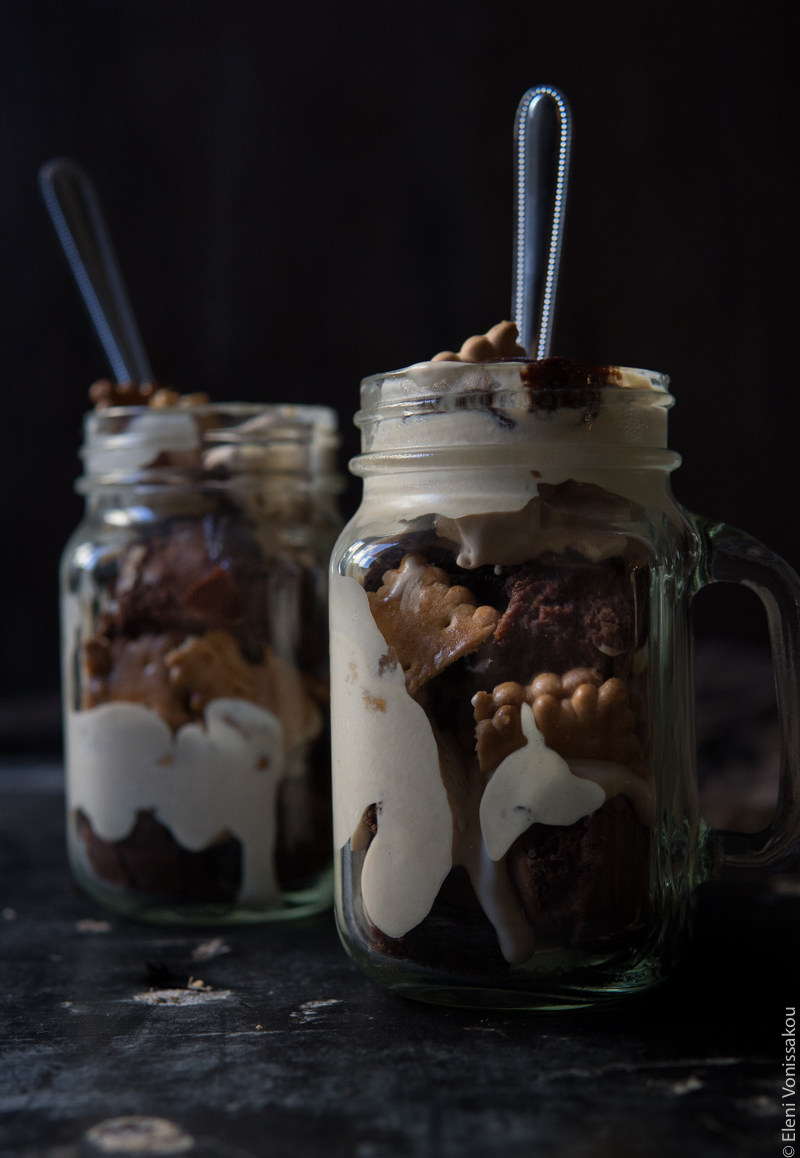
515, 812
194, 619
195, 658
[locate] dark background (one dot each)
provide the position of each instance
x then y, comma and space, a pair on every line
302, 194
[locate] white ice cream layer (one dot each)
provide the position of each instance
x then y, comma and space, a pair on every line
447, 404
384, 753
203, 784
146, 436
534, 785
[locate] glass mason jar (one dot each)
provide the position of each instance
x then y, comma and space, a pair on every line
195, 662
515, 810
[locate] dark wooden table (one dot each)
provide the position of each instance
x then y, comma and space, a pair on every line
292, 1052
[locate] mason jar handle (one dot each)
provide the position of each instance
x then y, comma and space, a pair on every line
731, 556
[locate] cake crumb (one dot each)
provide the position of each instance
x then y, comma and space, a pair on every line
309, 1009
90, 925
137, 1134
208, 949
193, 996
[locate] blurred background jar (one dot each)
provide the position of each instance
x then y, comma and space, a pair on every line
195, 661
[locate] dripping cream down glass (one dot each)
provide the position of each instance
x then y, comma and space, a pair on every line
515, 811
195, 665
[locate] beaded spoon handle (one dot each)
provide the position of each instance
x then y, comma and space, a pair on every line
543, 136
75, 210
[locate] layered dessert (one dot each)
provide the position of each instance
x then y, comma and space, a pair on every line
491, 624
196, 673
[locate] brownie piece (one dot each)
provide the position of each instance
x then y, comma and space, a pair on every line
455, 937
151, 862
561, 616
456, 934
191, 575
585, 883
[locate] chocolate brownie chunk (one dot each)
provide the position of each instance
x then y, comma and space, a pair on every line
151, 862
190, 575
561, 616
555, 382
585, 883
455, 937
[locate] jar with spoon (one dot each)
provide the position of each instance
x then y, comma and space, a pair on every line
195, 665
516, 822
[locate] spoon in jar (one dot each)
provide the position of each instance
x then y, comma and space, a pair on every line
75, 211
543, 136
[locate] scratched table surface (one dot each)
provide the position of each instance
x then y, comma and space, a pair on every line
288, 1050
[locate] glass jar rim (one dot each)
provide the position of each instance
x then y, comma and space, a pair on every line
318, 418
657, 379
440, 387
208, 444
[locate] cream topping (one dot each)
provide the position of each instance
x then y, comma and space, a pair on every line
501, 904
147, 435
384, 753
282, 437
617, 779
451, 404
201, 783
534, 785
465, 491
506, 538
490, 879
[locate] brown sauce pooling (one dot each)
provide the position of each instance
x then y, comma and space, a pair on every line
556, 382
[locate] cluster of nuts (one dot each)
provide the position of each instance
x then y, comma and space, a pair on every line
580, 715
176, 678
426, 622
164, 398
106, 393
208, 667
179, 677
211, 667
134, 670
499, 342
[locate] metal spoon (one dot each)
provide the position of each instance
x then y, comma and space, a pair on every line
75, 210
543, 135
